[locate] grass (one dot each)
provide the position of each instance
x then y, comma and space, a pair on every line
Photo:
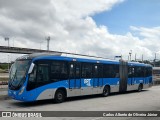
2, 71
3, 66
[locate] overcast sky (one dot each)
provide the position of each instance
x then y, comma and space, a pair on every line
104, 28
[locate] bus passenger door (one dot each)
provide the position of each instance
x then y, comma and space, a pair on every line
74, 79
77, 75
97, 76
71, 76
43, 78
131, 76
100, 75
42, 73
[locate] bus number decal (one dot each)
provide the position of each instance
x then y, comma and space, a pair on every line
87, 82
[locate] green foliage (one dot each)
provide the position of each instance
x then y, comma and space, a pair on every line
4, 66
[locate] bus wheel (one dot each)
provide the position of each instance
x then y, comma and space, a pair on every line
106, 91
140, 87
59, 96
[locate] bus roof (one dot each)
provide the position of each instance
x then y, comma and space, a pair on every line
76, 57
138, 64
156, 68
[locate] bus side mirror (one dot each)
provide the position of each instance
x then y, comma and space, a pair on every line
31, 68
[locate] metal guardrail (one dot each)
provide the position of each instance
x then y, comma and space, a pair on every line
3, 82
3, 85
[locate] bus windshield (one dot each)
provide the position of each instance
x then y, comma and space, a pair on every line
18, 73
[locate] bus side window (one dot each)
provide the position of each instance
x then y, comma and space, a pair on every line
109, 71
77, 70
86, 70
139, 71
74, 70
95, 71
148, 71
59, 71
32, 76
116, 67
32, 79
43, 73
64, 72
129, 72
71, 71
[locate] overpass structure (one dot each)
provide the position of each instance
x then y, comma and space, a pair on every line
5, 49
18, 50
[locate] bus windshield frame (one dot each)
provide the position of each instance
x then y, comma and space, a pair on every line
17, 74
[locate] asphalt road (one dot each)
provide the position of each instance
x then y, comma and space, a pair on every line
147, 100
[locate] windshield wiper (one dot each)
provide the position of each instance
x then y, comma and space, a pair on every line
13, 78
15, 75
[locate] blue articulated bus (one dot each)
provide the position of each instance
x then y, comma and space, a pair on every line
54, 76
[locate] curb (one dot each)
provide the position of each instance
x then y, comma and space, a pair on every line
4, 97
3, 89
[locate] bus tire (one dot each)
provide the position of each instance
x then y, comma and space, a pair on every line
59, 96
106, 91
140, 87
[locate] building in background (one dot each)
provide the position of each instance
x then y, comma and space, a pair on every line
156, 75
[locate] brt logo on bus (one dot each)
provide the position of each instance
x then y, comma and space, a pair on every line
87, 82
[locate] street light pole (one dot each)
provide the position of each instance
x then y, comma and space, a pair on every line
155, 60
130, 54
8, 63
142, 57
7, 39
48, 40
156, 57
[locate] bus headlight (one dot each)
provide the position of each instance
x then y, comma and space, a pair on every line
21, 91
